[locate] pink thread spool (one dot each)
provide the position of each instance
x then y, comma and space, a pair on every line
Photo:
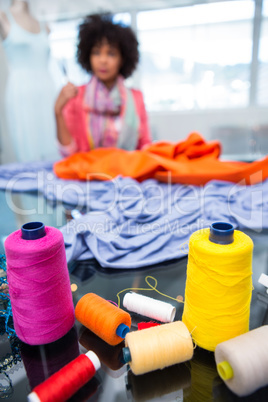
39, 284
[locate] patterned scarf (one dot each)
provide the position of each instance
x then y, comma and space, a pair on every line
112, 120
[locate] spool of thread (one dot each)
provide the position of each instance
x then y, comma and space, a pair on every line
149, 307
103, 318
111, 356
144, 325
39, 284
42, 361
242, 362
158, 347
218, 285
159, 383
67, 381
138, 322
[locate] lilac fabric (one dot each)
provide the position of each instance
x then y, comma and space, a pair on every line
130, 225
151, 222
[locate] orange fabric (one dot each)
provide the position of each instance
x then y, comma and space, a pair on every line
193, 161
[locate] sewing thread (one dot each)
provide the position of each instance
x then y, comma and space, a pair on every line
242, 362
67, 381
39, 284
218, 288
103, 318
150, 288
158, 347
144, 325
149, 307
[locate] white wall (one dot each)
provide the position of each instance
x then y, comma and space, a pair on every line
171, 126
175, 126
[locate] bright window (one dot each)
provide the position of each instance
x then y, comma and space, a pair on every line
196, 57
262, 91
63, 41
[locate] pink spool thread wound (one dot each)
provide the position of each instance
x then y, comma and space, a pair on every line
39, 284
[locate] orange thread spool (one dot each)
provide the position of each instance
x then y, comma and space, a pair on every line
102, 318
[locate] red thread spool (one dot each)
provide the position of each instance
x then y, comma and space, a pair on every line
67, 381
144, 325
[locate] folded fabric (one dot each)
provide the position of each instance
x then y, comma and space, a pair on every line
132, 225
193, 161
24, 176
142, 224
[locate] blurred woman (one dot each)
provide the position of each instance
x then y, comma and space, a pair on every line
104, 112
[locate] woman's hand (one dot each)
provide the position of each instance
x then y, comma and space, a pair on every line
67, 92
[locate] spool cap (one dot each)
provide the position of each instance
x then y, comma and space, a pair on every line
122, 330
126, 355
221, 233
33, 231
225, 370
94, 359
33, 397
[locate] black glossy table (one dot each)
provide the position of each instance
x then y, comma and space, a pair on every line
23, 366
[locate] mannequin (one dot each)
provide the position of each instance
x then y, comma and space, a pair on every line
20, 11
30, 92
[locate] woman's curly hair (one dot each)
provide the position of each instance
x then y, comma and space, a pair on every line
97, 27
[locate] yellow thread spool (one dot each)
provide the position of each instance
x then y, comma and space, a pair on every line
158, 347
218, 286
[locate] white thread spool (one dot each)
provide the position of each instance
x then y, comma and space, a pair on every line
148, 307
242, 362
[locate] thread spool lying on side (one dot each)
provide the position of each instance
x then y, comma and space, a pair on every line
242, 362
145, 325
149, 307
106, 320
67, 381
158, 347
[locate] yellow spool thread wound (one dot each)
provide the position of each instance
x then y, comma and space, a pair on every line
218, 288
159, 347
